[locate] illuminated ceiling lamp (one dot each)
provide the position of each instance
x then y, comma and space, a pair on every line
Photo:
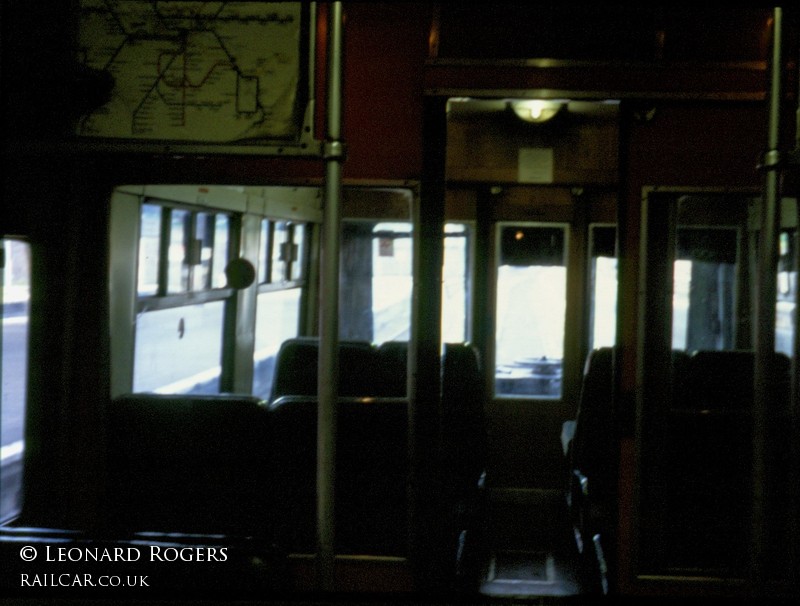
536, 110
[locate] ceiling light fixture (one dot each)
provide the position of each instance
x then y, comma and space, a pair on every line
536, 110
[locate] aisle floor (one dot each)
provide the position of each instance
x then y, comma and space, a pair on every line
532, 551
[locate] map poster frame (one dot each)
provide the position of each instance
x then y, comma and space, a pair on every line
199, 78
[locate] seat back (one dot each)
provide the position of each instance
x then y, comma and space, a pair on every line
188, 463
464, 431
393, 359
593, 443
708, 447
720, 380
371, 474
296, 368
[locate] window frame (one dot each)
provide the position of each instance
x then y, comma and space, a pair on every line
568, 330
245, 206
269, 283
163, 299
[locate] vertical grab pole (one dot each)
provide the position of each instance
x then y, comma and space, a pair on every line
328, 377
765, 314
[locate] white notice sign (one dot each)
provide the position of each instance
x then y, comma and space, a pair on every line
535, 165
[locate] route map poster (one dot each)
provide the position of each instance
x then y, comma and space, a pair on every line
210, 72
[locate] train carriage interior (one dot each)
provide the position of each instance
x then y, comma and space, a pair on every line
320, 302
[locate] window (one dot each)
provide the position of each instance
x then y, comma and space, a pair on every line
392, 281
281, 276
149, 242
603, 276
180, 310
704, 278
177, 324
530, 310
15, 273
455, 283
376, 281
787, 293
179, 350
